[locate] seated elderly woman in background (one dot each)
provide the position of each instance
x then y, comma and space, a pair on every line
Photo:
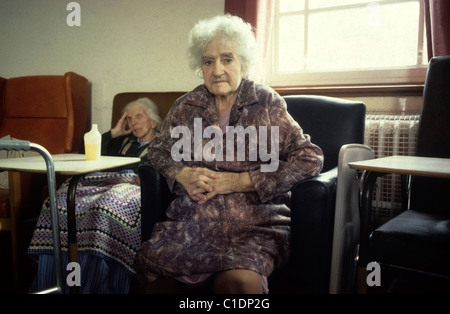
228, 227
108, 209
133, 132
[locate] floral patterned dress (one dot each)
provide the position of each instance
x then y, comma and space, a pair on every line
232, 231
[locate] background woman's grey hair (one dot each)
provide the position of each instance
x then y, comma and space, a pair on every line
228, 27
150, 108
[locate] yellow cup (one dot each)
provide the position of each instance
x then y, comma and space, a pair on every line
92, 151
93, 143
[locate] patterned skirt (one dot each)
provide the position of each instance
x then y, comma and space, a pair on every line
108, 218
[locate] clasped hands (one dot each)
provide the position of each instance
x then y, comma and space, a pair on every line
202, 184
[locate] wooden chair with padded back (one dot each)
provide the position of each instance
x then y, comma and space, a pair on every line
52, 111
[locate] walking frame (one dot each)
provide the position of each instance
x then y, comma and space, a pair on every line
51, 179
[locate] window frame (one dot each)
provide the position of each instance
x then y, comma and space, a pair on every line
404, 80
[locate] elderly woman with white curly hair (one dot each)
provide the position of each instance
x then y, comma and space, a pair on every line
228, 227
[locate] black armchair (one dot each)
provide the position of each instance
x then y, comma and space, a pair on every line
413, 248
331, 122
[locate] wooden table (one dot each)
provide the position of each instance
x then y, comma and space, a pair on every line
374, 168
74, 165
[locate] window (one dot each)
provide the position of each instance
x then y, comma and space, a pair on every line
348, 42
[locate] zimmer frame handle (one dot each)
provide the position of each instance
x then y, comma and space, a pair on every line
15, 145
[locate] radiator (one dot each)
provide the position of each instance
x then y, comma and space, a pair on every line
390, 134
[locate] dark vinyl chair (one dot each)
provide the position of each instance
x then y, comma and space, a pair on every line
331, 123
413, 248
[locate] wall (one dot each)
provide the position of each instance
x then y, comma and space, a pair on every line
121, 45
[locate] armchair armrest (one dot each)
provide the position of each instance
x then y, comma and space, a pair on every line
312, 219
312, 211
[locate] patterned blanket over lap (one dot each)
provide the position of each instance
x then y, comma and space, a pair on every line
108, 218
